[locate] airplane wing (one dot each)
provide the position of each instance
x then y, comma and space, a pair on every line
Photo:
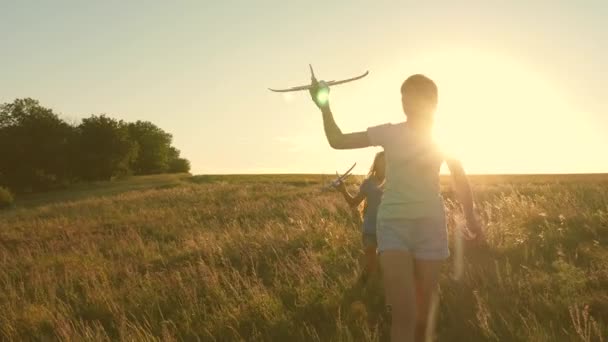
343, 177
347, 173
332, 83
306, 87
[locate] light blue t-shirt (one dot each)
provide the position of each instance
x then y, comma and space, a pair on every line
413, 160
373, 193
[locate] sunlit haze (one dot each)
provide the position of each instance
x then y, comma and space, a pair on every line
521, 85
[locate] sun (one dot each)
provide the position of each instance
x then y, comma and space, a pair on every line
499, 116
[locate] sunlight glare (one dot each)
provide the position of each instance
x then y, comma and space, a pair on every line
288, 97
498, 116
323, 96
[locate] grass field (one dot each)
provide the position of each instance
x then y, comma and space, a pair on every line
272, 258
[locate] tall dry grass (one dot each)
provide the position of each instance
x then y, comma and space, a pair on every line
229, 259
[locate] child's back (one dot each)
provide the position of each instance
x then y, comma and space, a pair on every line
372, 189
412, 172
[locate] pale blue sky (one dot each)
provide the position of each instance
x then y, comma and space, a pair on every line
200, 70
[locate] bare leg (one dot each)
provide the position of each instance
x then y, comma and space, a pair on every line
398, 270
426, 274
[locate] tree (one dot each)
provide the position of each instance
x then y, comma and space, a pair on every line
34, 146
39, 150
105, 149
154, 148
177, 164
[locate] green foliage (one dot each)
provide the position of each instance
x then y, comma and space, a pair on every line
154, 148
39, 151
271, 258
34, 146
6, 198
177, 164
105, 148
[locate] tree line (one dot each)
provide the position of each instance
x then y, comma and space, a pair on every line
40, 151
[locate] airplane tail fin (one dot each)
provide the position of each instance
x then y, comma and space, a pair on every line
312, 74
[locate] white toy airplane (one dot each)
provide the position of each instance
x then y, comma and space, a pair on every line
314, 82
339, 179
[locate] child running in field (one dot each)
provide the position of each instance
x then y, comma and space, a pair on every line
411, 226
370, 192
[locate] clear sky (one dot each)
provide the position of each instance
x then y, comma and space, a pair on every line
521, 82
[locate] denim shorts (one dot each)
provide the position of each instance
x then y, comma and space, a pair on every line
426, 238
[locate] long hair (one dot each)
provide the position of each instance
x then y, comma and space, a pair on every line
373, 172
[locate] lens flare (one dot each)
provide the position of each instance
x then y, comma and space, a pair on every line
323, 96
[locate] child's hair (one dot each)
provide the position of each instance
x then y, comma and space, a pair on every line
374, 168
422, 85
420, 96
372, 173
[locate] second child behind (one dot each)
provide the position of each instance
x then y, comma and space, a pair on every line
370, 192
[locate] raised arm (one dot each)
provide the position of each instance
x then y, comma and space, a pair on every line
465, 195
335, 137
